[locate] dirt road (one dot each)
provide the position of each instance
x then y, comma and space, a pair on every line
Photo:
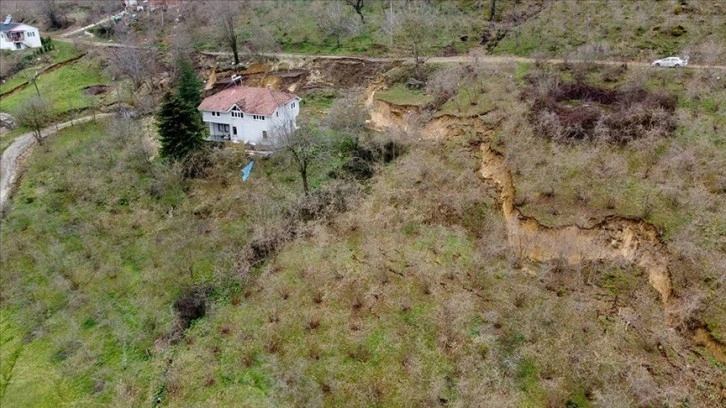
13, 155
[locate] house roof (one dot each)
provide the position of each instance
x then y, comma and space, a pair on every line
9, 27
258, 101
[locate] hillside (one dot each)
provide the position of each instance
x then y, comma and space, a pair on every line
490, 234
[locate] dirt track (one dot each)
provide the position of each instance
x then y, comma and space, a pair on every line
13, 155
492, 59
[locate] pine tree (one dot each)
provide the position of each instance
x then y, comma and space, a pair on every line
180, 124
189, 87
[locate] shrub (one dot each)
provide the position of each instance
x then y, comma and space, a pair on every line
566, 112
191, 305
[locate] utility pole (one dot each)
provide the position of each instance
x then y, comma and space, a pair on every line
34, 80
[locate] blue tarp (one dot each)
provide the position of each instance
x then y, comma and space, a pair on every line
246, 170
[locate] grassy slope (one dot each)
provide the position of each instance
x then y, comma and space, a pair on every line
63, 88
629, 30
409, 298
90, 282
62, 52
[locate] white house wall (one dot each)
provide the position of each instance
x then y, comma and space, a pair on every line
29, 41
249, 129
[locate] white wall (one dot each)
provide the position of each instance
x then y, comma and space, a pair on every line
31, 39
249, 129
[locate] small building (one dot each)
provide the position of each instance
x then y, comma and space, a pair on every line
249, 114
18, 36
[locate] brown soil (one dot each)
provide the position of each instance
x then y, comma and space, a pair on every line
295, 75
717, 349
95, 90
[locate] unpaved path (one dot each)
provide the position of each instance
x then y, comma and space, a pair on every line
10, 162
493, 59
462, 59
83, 29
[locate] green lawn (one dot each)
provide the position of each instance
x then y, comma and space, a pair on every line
62, 87
402, 96
62, 52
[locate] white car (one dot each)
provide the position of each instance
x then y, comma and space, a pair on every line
675, 62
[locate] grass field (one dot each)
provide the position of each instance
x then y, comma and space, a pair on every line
62, 52
624, 30
62, 87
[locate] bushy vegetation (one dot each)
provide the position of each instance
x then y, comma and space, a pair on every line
622, 29
393, 281
577, 110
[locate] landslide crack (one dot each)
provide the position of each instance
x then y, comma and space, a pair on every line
614, 239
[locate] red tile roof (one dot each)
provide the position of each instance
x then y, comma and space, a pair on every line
258, 101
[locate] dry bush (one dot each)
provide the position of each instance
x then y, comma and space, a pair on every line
191, 305
566, 112
444, 83
347, 114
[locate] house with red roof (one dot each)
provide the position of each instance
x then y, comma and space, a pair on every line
248, 114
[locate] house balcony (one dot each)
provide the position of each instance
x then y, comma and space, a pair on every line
16, 38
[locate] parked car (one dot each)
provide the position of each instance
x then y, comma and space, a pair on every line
674, 62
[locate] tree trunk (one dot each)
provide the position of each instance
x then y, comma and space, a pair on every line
359, 11
304, 176
492, 9
235, 52
38, 136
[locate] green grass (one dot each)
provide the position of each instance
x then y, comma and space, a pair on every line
628, 30
28, 378
63, 88
62, 52
402, 96
8, 138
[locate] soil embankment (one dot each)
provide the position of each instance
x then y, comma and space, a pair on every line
614, 239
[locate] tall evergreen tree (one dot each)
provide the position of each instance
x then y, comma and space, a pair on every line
189, 87
180, 123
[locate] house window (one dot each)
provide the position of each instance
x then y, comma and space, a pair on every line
258, 117
278, 113
293, 105
237, 114
222, 127
264, 134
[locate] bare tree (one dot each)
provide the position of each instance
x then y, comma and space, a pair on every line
413, 28
304, 145
259, 42
358, 7
130, 62
333, 22
228, 34
347, 114
54, 14
35, 113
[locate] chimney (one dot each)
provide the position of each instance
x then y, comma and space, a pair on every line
8, 19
